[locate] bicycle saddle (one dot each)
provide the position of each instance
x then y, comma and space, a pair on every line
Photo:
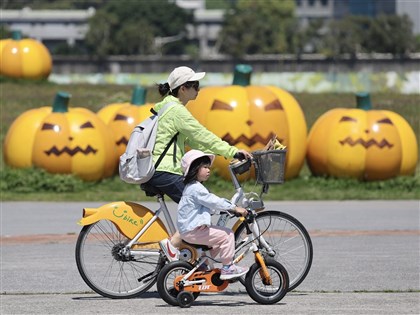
150, 191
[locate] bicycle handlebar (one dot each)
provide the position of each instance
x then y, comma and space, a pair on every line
240, 156
233, 213
250, 216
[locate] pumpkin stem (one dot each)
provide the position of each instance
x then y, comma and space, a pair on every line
139, 96
242, 75
16, 35
363, 100
61, 102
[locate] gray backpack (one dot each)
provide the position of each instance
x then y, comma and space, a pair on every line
136, 163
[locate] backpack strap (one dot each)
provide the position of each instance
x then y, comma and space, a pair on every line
166, 150
161, 111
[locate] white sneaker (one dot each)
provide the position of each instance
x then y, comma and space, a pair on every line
233, 272
170, 251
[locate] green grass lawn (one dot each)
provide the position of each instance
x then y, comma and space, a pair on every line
32, 184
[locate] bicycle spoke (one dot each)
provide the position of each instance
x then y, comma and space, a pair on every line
290, 242
106, 269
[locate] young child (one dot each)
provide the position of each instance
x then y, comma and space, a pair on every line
195, 209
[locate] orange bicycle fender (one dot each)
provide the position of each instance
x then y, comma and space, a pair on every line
129, 217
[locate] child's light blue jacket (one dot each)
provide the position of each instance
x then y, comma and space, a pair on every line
197, 205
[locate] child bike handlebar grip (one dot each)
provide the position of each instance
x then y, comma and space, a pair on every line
239, 156
234, 213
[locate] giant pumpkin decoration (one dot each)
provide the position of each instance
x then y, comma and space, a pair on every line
362, 143
24, 58
247, 116
61, 140
121, 118
3, 43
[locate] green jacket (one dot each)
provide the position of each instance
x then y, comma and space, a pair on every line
178, 119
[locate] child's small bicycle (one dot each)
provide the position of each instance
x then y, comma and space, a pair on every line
267, 281
118, 254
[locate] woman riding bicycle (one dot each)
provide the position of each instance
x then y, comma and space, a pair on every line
181, 87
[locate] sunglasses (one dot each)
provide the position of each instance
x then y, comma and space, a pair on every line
192, 84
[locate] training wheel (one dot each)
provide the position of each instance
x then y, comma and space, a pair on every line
185, 299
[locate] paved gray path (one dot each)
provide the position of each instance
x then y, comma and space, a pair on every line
212, 304
366, 261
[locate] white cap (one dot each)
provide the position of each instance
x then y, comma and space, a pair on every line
190, 157
181, 75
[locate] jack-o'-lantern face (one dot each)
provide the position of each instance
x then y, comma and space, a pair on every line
67, 150
61, 140
73, 142
247, 117
356, 143
367, 137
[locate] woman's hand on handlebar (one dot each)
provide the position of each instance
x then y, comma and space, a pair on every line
242, 154
241, 211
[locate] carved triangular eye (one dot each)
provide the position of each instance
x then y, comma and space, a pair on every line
47, 126
120, 117
273, 105
347, 118
221, 105
87, 124
385, 121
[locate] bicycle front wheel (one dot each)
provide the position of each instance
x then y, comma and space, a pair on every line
289, 240
106, 270
261, 291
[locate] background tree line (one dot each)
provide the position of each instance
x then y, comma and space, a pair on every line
142, 27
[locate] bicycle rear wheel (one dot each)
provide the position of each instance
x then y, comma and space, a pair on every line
109, 273
288, 238
166, 281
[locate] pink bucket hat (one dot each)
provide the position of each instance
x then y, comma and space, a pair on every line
191, 156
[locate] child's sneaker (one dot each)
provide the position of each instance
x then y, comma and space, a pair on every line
232, 272
171, 252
